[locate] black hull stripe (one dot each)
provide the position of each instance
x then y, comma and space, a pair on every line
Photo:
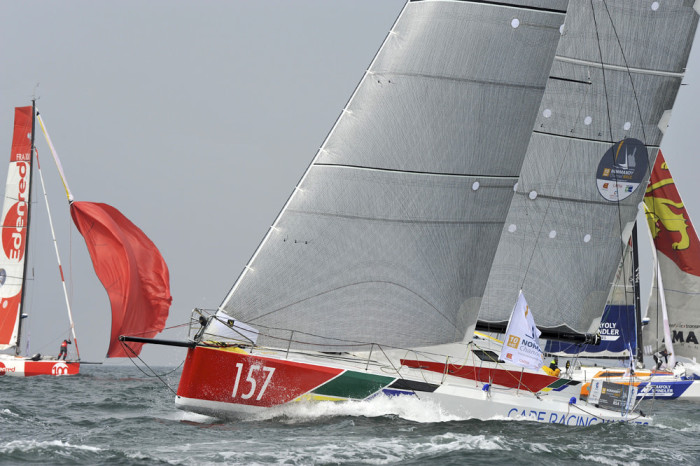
403, 384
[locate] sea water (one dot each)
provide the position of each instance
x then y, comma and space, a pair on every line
117, 415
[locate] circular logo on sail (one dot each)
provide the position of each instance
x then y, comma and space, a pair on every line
622, 169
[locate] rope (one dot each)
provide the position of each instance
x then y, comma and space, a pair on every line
159, 376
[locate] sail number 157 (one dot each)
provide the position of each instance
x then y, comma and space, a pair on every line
251, 381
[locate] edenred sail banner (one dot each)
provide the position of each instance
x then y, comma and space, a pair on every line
130, 268
15, 212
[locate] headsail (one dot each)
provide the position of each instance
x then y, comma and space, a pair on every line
596, 136
396, 220
678, 256
15, 213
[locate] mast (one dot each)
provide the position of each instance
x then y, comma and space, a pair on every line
637, 301
29, 216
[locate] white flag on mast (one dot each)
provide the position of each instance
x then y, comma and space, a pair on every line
521, 345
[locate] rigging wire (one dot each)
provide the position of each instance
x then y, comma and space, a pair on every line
159, 376
644, 137
650, 165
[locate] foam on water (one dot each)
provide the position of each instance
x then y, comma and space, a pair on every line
26, 446
378, 450
608, 461
409, 408
7, 412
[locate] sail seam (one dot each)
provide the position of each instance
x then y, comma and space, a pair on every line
506, 4
460, 80
568, 199
416, 172
376, 219
608, 66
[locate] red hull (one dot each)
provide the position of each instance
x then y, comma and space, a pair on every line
220, 375
26, 368
50, 368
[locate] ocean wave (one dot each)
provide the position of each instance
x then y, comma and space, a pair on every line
29, 446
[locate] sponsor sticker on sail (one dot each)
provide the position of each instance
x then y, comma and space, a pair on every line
522, 337
622, 169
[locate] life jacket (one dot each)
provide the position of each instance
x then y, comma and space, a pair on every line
64, 344
550, 371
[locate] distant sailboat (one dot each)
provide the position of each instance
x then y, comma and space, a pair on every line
674, 305
481, 140
125, 260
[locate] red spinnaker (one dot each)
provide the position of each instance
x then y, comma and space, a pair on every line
131, 269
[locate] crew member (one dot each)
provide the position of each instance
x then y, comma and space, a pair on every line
64, 349
554, 364
553, 368
660, 358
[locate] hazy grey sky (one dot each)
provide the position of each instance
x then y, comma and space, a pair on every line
196, 119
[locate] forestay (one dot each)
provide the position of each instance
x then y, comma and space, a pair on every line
618, 68
391, 232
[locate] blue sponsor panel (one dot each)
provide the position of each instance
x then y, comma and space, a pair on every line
667, 390
617, 331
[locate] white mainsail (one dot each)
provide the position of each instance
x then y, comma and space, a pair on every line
396, 221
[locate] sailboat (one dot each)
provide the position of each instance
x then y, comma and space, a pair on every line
478, 158
127, 263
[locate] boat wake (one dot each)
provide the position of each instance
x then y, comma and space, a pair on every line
408, 408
